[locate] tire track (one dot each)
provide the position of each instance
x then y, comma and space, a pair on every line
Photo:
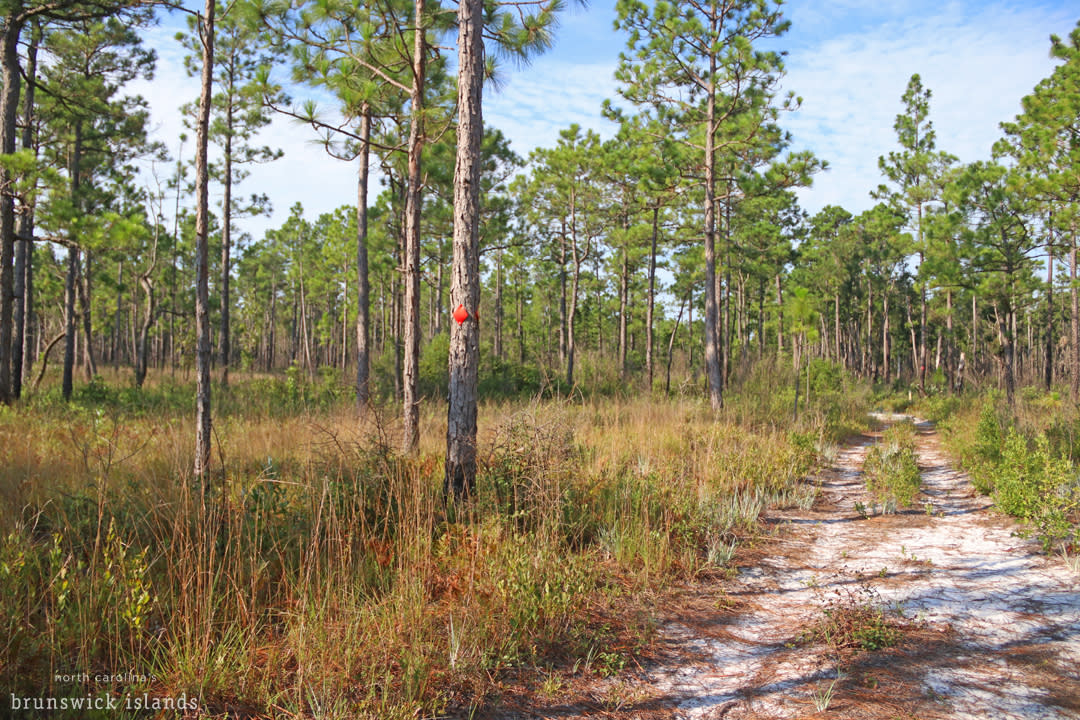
993, 625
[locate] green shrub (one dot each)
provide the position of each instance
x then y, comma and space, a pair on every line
984, 455
891, 470
937, 408
1038, 487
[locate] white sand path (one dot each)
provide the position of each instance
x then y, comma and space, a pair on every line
995, 624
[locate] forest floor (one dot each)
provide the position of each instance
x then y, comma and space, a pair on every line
972, 620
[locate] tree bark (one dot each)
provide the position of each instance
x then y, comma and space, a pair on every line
24, 251
226, 244
498, 343
85, 287
779, 316
1048, 366
519, 291
67, 383
974, 330
438, 303
886, 360
836, 324
411, 366
921, 369
363, 282
202, 252
1074, 315
624, 291
72, 270
712, 351
149, 311
562, 294
912, 329
173, 275
651, 302
671, 348
1009, 334
464, 357
117, 318
571, 313
725, 325
9, 105
950, 369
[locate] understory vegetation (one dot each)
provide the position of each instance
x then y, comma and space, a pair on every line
1027, 457
325, 575
891, 470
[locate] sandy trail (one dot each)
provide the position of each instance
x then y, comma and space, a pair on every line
993, 626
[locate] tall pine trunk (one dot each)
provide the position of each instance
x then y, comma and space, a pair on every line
363, 282
142, 356
464, 357
671, 348
411, 365
779, 317
562, 294
571, 313
836, 325
24, 251
1048, 366
85, 288
67, 382
651, 302
9, 105
712, 349
226, 247
624, 291
202, 252
498, 345
72, 277
886, 356
1074, 317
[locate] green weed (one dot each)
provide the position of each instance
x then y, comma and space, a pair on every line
891, 470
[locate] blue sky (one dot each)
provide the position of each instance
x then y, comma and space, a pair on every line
849, 60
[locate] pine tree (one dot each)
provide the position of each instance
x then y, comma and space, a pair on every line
237, 114
914, 171
1042, 140
696, 64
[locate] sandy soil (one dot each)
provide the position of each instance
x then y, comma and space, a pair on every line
988, 626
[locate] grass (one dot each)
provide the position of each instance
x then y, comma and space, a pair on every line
823, 696
891, 469
324, 575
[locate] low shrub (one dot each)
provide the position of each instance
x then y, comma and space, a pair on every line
1038, 487
891, 469
855, 619
1022, 457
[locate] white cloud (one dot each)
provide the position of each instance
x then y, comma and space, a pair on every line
849, 61
305, 173
978, 63
535, 104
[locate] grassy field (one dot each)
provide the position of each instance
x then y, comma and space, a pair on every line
324, 575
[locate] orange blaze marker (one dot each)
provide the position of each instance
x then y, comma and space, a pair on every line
461, 314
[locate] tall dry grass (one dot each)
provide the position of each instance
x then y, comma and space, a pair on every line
324, 575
